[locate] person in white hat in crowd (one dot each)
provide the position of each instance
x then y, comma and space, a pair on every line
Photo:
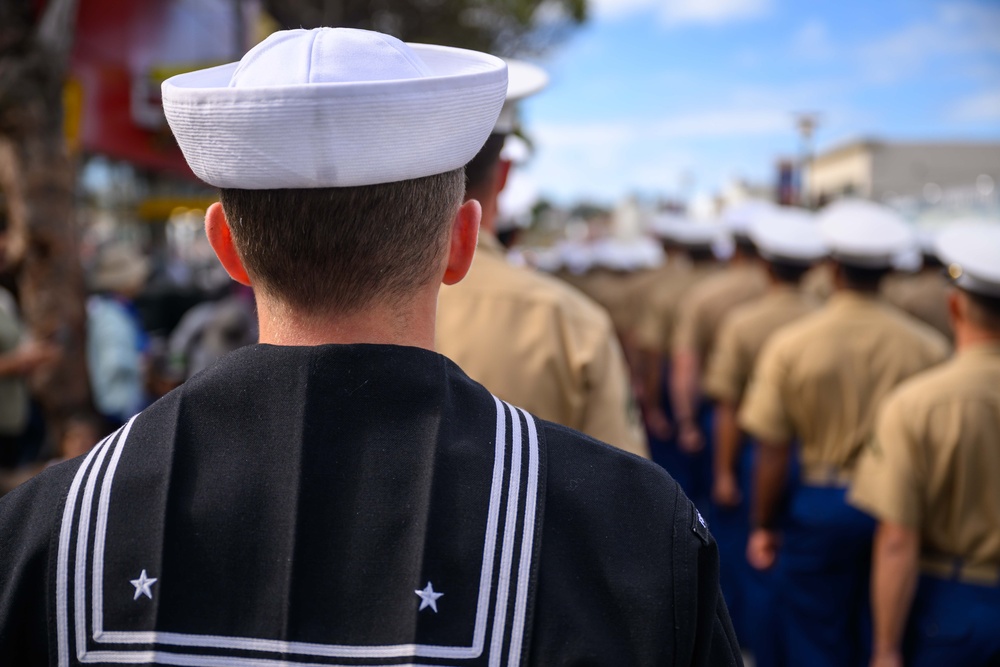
699, 315
116, 341
690, 258
922, 293
819, 382
931, 478
526, 337
341, 493
789, 243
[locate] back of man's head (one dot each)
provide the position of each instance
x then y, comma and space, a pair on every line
340, 249
339, 157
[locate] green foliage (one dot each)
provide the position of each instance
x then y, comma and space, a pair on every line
503, 27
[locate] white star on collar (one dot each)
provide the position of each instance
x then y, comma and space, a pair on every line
143, 586
428, 598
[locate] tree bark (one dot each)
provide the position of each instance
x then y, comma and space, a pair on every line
38, 181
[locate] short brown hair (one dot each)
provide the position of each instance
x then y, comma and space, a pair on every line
983, 311
341, 249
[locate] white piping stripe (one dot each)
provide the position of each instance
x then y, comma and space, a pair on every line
327, 650
80, 564
403, 650
509, 536
527, 543
62, 558
187, 660
102, 529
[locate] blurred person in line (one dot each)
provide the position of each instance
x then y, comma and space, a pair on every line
116, 341
21, 424
699, 315
922, 293
525, 336
789, 244
341, 492
20, 356
210, 330
690, 258
819, 381
931, 478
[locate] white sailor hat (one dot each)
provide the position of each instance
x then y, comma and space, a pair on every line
864, 234
686, 232
523, 80
739, 217
334, 107
788, 235
971, 251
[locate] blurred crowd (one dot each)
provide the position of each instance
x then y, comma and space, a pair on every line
150, 325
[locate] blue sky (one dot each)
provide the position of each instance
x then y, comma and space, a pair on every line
680, 96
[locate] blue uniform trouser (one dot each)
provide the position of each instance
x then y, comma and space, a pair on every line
822, 577
953, 623
751, 595
731, 528
692, 472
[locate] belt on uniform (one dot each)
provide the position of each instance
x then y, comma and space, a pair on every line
958, 569
826, 475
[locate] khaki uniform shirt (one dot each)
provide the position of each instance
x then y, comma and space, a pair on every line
818, 281
700, 313
823, 377
658, 318
538, 343
743, 335
923, 295
613, 290
934, 463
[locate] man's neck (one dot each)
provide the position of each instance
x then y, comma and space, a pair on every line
410, 325
967, 337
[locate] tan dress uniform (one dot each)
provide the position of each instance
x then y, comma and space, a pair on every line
700, 312
823, 377
818, 281
743, 335
923, 295
541, 345
613, 290
934, 465
658, 316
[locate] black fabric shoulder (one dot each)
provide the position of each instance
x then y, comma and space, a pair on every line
629, 571
29, 521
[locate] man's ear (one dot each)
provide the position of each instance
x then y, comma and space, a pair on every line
956, 308
462, 242
221, 240
503, 173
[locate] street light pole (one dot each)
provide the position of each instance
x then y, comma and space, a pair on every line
806, 123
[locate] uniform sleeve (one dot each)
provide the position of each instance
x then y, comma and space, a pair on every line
763, 413
649, 333
27, 517
686, 332
704, 634
887, 480
611, 414
725, 378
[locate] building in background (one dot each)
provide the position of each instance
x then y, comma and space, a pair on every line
888, 171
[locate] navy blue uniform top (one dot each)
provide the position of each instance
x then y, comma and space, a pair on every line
354, 505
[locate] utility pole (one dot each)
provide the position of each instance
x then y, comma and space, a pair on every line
806, 123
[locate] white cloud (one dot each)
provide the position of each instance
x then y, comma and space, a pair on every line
676, 12
812, 41
959, 28
976, 108
698, 125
